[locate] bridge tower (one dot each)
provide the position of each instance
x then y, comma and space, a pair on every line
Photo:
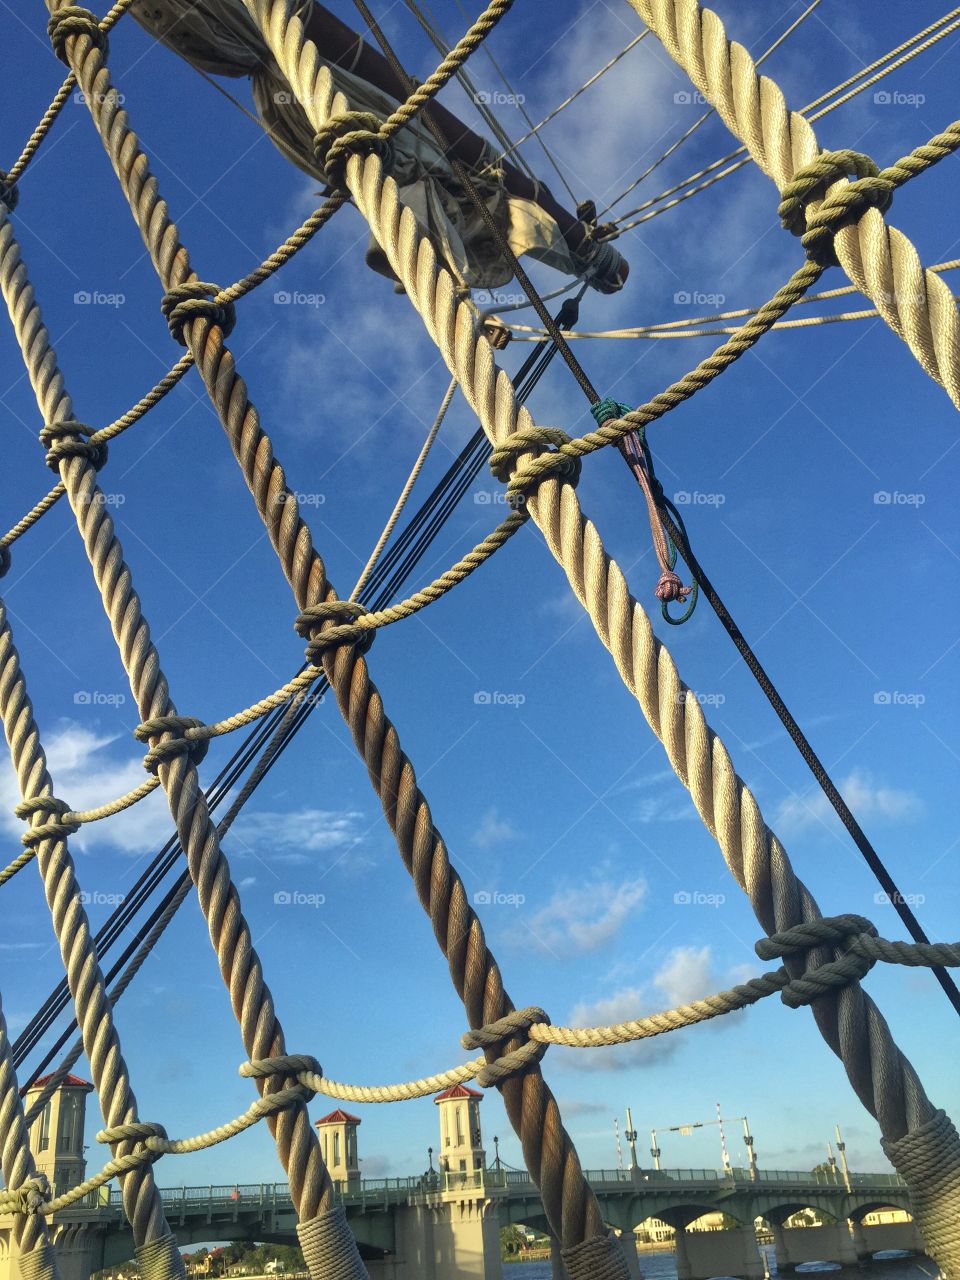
56, 1136
338, 1141
461, 1142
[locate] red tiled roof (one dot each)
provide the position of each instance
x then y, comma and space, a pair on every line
72, 1082
457, 1091
339, 1117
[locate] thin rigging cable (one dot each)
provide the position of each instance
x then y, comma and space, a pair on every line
942, 27
708, 113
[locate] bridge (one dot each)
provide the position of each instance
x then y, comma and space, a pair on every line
443, 1225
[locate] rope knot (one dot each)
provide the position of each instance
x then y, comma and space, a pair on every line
871, 189
351, 133
31, 1195
141, 1131
9, 191
196, 300
671, 588
607, 408
347, 631
849, 965
495, 1034
60, 821
524, 476
71, 439
73, 20
303, 1066
182, 744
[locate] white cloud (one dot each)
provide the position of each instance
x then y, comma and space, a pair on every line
87, 774
297, 837
866, 798
493, 830
584, 917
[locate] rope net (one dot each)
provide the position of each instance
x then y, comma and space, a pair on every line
838, 221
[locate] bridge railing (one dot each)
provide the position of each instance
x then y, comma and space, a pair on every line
275, 1196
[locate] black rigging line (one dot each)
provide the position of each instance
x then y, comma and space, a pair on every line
871, 856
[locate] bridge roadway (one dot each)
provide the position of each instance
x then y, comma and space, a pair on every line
678, 1197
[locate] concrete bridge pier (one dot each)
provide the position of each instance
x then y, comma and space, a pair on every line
831, 1242
732, 1252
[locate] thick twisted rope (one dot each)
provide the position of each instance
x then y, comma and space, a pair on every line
878, 258
252, 1002
548, 1150
850, 1022
29, 1235
140, 1195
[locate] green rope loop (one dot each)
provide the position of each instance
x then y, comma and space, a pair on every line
194, 300
608, 408
60, 822
348, 632
871, 190
163, 752
350, 133
524, 475
70, 439
74, 20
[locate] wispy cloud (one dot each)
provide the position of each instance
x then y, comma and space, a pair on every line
493, 830
584, 917
866, 797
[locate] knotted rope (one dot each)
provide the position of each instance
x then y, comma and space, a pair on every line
495, 1034
196, 300
523, 474
29, 1197
74, 20
71, 439
181, 744
61, 822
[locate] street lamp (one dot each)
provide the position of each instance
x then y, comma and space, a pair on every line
496, 1147
430, 1157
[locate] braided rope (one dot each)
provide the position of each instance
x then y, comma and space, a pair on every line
252, 1002
849, 1021
29, 1232
87, 986
880, 260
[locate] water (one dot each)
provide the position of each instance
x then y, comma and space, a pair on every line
662, 1266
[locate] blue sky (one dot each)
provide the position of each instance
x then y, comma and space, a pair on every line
561, 809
